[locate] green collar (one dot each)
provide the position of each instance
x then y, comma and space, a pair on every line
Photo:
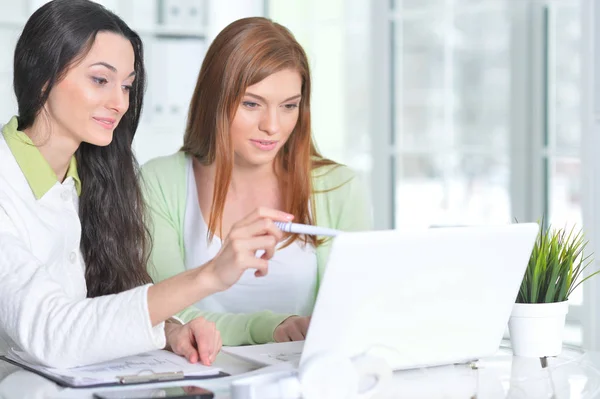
37, 171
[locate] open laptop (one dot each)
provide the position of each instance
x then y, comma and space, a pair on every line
419, 298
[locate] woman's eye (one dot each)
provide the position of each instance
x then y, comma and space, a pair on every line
100, 81
127, 88
250, 104
291, 106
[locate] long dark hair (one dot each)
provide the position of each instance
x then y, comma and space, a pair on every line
114, 239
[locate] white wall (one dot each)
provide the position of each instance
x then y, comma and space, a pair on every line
223, 12
173, 53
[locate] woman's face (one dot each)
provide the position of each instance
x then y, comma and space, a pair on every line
88, 103
265, 118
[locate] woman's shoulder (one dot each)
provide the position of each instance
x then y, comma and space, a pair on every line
341, 198
164, 171
165, 165
165, 175
332, 175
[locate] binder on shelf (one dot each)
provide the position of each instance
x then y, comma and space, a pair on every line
185, 13
150, 367
141, 15
173, 68
194, 13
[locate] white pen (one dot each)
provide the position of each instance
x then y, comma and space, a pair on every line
297, 228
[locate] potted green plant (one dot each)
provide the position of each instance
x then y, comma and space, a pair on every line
555, 270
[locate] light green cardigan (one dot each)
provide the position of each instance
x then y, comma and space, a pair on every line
340, 203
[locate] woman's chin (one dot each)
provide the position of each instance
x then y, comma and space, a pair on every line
255, 162
100, 140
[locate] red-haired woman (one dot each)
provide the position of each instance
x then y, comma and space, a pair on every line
248, 145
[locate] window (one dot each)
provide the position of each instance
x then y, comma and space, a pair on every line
451, 112
562, 139
484, 114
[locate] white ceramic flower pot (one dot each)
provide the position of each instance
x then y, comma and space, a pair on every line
536, 329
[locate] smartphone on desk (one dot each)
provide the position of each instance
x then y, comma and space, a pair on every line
185, 392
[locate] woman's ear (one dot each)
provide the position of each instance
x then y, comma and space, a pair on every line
44, 88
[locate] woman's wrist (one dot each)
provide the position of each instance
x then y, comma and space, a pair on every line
207, 280
169, 327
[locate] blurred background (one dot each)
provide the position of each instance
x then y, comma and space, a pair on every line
454, 112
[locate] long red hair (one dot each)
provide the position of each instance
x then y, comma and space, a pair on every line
243, 54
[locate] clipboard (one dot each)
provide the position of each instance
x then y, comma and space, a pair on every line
68, 378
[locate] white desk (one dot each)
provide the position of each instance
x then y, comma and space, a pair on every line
572, 375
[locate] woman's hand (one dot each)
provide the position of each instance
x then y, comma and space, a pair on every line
198, 340
293, 328
253, 233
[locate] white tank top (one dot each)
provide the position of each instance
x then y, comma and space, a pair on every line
289, 287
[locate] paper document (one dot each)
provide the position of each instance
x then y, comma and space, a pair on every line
159, 365
268, 354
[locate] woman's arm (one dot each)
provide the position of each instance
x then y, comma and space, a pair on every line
253, 233
59, 331
236, 329
240, 328
166, 261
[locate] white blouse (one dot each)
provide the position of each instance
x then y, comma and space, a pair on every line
44, 311
288, 288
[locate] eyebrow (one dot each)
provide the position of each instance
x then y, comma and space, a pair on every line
112, 68
264, 100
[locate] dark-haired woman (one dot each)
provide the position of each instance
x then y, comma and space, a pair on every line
74, 289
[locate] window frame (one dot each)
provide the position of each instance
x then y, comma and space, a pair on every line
590, 85
529, 158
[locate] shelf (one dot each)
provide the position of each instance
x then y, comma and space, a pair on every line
157, 30
172, 31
